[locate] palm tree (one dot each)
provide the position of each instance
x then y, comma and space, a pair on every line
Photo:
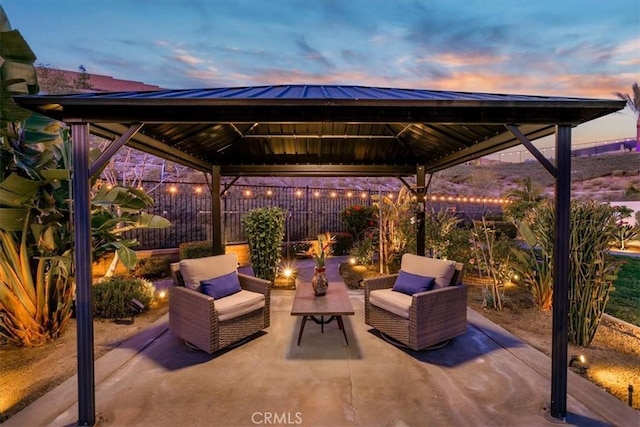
634, 104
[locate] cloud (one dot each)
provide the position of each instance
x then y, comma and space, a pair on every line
452, 59
186, 58
311, 53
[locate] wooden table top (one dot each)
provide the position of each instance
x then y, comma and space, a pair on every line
335, 303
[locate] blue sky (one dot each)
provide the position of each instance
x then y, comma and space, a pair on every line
583, 48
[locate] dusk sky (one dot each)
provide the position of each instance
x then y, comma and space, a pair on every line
582, 48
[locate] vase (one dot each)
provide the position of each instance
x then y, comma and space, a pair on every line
320, 282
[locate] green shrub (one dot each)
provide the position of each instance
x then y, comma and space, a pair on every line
152, 268
357, 219
112, 297
506, 228
364, 249
264, 228
300, 247
342, 244
198, 249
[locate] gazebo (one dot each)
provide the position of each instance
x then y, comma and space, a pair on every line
309, 130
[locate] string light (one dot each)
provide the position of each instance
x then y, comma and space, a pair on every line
316, 194
247, 193
363, 196
269, 193
390, 196
198, 190
299, 193
334, 194
349, 194
173, 189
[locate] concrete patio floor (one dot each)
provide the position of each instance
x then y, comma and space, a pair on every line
485, 377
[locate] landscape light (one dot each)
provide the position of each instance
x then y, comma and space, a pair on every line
288, 272
352, 260
579, 363
162, 294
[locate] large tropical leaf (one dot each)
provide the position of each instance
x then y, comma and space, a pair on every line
16, 191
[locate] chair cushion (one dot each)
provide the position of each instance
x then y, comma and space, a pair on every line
220, 287
410, 284
240, 303
440, 269
395, 302
196, 270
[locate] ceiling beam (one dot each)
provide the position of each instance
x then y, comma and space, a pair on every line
150, 145
318, 170
489, 146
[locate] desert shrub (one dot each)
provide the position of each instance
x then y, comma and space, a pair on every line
615, 186
357, 219
198, 249
112, 297
152, 268
342, 244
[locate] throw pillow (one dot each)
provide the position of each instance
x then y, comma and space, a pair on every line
223, 286
410, 284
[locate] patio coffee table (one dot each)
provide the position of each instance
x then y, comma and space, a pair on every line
333, 305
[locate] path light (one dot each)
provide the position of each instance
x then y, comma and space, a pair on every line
162, 294
352, 261
287, 272
579, 363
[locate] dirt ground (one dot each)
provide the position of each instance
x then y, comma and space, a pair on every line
28, 373
614, 354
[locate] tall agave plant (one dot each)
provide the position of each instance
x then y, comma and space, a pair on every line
592, 270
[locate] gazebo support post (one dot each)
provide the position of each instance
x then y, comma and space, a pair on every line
216, 211
420, 193
561, 273
82, 258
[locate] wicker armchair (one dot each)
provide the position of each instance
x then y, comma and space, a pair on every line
194, 318
434, 316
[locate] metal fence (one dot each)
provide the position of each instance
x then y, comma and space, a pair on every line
309, 211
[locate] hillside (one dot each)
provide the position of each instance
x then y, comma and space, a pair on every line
602, 177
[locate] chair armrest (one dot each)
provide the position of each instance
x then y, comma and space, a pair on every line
254, 284
190, 310
381, 282
439, 304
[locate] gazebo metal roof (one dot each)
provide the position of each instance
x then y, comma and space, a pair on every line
340, 130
